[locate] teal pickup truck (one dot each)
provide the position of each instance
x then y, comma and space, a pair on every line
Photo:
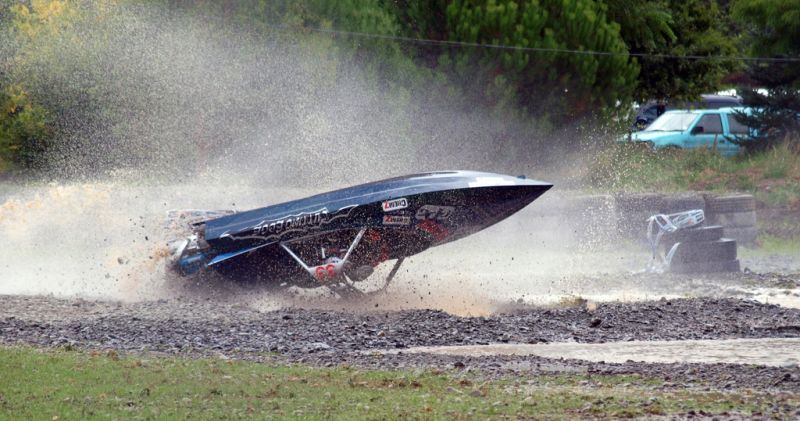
684, 129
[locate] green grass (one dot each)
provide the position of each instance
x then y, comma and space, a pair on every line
769, 245
780, 195
59, 384
773, 176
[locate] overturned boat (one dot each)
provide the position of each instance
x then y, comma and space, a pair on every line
338, 238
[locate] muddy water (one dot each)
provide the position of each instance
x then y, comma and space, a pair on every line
521, 266
541, 261
772, 352
106, 240
102, 239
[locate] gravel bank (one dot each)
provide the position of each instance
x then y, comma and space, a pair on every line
319, 337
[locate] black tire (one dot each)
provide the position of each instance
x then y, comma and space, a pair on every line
735, 219
639, 202
706, 267
674, 204
705, 252
693, 235
732, 204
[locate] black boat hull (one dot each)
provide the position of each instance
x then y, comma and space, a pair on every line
296, 241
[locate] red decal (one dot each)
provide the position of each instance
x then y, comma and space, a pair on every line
438, 232
326, 272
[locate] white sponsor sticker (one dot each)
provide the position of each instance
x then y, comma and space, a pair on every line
396, 204
396, 220
491, 181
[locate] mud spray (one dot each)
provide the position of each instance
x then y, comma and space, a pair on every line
187, 113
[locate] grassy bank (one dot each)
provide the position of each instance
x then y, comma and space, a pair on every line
57, 384
773, 176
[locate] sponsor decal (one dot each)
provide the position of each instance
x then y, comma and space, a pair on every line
396, 204
396, 220
304, 221
491, 182
299, 221
435, 213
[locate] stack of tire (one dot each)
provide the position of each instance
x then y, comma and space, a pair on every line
737, 215
702, 249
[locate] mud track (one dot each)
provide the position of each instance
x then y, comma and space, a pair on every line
327, 338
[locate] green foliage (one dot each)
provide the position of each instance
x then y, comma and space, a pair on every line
774, 116
646, 26
560, 86
386, 61
24, 129
773, 25
680, 28
45, 43
37, 83
25, 126
658, 27
384, 58
423, 19
773, 29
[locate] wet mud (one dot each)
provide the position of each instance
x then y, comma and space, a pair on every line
85, 270
778, 352
328, 337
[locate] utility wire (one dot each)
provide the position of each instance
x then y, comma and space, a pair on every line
545, 50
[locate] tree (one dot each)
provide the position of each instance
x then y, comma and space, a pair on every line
25, 125
662, 28
25, 129
560, 85
772, 29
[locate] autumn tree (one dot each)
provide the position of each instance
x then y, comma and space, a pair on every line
25, 125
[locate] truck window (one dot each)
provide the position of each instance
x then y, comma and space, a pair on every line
651, 113
711, 123
736, 126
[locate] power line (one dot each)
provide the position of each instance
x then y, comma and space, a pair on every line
546, 50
